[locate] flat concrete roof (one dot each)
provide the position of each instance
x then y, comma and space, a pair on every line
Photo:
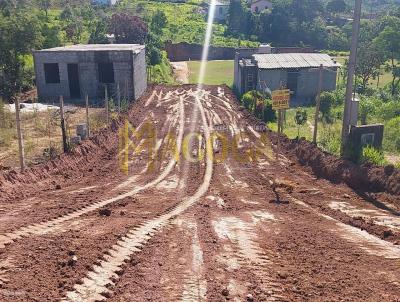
95, 47
294, 60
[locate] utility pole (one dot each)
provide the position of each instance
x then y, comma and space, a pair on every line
20, 137
316, 117
350, 77
87, 116
63, 130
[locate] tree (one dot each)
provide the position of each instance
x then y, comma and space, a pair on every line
50, 34
153, 49
336, 39
20, 32
336, 6
128, 29
98, 35
73, 24
239, 18
300, 118
389, 42
280, 22
306, 10
45, 5
369, 60
158, 22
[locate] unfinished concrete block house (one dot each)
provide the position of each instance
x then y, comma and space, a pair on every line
74, 71
266, 70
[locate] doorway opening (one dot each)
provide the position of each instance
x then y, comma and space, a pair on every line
73, 79
292, 80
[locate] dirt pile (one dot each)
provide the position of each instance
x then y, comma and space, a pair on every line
14, 184
365, 178
67, 167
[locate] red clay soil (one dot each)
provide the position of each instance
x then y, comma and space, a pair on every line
237, 242
363, 178
67, 167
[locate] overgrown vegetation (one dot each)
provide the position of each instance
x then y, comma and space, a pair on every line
373, 156
259, 105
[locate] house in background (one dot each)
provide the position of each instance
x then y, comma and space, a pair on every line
265, 71
77, 70
221, 11
104, 2
257, 6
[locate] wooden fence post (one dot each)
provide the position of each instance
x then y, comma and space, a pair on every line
318, 105
106, 103
19, 134
87, 116
63, 130
119, 98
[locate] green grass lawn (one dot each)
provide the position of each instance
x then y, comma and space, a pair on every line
217, 72
290, 127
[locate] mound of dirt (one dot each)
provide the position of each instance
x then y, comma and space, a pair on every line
15, 184
364, 178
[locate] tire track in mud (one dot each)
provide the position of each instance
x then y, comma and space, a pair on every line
362, 239
96, 286
242, 249
45, 227
53, 200
239, 237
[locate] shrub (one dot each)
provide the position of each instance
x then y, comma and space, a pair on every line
249, 99
300, 118
367, 109
262, 108
327, 102
339, 96
373, 156
269, 113
392, 135
389, 110
6, 117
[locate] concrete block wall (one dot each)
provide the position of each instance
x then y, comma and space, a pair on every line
307, 85
272, 78
51, 91
139, 74
129, 71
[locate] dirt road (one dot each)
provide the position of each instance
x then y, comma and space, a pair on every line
181, 72
195, 218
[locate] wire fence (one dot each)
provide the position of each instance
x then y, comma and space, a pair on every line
41, 125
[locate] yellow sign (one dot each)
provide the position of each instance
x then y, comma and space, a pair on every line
280, 99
